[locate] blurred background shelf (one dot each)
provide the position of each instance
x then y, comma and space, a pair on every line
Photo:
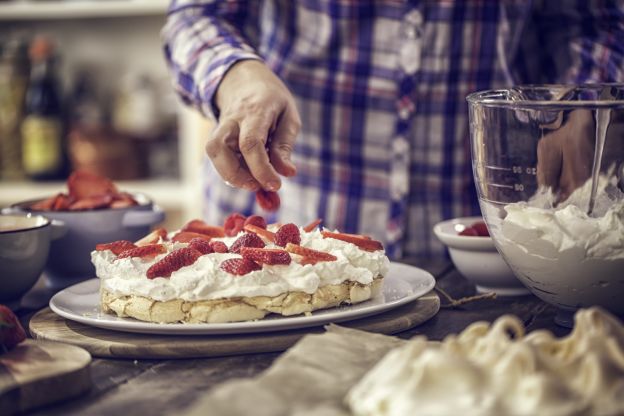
116, 41
50, 10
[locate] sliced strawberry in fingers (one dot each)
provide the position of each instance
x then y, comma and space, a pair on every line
271, 256
91, 202
83, 184
312, 225
159, 234
117, 247
234, 224
267, 200
310, 254
218, 246
266, 234
360, 241
200, 227
187, 236
149, 251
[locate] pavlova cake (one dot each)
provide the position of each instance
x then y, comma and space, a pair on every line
241, 271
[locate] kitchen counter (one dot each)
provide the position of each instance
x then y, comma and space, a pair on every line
154, 387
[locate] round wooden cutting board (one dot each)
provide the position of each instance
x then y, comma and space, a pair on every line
36, 373
106, 343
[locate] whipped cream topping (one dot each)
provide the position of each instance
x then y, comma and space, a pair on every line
485, 371
205, 280
568, 257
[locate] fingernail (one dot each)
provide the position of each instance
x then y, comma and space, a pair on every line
273, 185
251, 186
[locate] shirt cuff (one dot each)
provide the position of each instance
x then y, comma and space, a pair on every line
214, 72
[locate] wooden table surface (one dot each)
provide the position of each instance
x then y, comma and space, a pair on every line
155, 387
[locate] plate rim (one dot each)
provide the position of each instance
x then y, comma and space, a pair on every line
130, 325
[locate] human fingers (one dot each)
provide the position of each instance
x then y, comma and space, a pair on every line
577, 155
282, 141
221, 148
549, 160
254, 132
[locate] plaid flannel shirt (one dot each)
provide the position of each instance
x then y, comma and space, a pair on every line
380, 87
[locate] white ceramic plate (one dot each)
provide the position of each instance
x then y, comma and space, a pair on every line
402, 285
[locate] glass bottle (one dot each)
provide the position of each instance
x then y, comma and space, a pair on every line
42, 128
14, 69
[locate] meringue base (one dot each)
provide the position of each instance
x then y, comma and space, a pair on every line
236, 309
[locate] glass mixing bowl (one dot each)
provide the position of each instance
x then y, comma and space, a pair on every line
548, 164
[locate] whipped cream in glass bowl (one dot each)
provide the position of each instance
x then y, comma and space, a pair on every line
547, 162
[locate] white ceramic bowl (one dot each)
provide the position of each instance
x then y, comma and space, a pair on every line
477, 259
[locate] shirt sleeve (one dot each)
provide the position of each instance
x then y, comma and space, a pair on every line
573, 42
202, 40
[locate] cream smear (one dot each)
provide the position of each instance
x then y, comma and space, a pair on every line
485, 371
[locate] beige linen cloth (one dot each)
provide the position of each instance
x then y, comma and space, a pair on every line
310, 379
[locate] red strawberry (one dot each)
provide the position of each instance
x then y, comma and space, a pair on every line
266, 255
200, 227
266, 234
218, 246
173, 261
11, 331
61, 203
123, 200
287, 233
256, 220
83, 184
187, 236
91, 202
312, 225
481, 229
149, 251
152, 238
45, 204
201, 245
117, 247
361, 241
239, 267
246, 240
267, 200
469, 232
309, 255
233, 224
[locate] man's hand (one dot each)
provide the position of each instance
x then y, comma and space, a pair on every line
565, 156
258, 124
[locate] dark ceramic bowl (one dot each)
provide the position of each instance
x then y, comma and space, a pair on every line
70, 256
24, 247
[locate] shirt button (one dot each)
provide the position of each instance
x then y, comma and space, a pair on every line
404, 113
